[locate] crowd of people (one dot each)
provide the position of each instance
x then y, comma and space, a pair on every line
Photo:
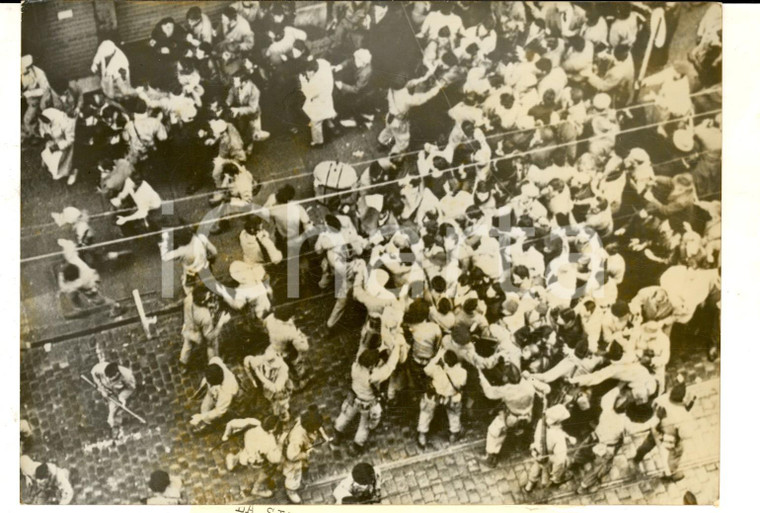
544, 224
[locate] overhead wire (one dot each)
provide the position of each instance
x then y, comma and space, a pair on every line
289, 177
367, 187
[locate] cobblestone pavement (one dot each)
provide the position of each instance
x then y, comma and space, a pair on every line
68, 420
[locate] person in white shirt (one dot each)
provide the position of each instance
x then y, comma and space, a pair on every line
625, 28
58, 130
253, 293
261, 451
483, 34
317, 86
340, 244
290, 219
596, 30
116, 382
578, 59
194, 251
258, 247
145, 201
221, 388
46, 483
400, 102
443, 17
608, 435
80, 281
113, 67
673, 99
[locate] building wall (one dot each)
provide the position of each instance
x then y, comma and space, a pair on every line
136, 19
64, 48
62, 45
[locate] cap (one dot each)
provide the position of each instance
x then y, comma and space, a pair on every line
683, 140
363, 473
602, 101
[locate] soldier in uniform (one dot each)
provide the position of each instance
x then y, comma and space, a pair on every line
167, 489
448, 378
297, 446
288, 341
367, 374
549, 447
116, 382
221, 388
672, 430
261, 451
517, 395
361, 487
271, 371
605, 441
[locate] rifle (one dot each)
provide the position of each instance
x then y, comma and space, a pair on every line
114, 401
543, 458
197, 393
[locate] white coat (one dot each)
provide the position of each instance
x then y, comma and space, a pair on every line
318, 91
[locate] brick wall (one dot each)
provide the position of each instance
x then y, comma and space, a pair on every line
64, 48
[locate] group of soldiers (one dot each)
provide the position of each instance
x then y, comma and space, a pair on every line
532, 264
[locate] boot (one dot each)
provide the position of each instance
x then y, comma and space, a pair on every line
454, 437
293, 497
492, 460
422, 440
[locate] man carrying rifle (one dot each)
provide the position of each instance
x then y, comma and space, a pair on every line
671, 431
116, 384
549, 448
297, 446
261, 451
447, 379
361, 487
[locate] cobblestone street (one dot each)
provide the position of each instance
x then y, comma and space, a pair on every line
68, 419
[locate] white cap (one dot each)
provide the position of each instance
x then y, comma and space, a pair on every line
683, 140
602, 101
